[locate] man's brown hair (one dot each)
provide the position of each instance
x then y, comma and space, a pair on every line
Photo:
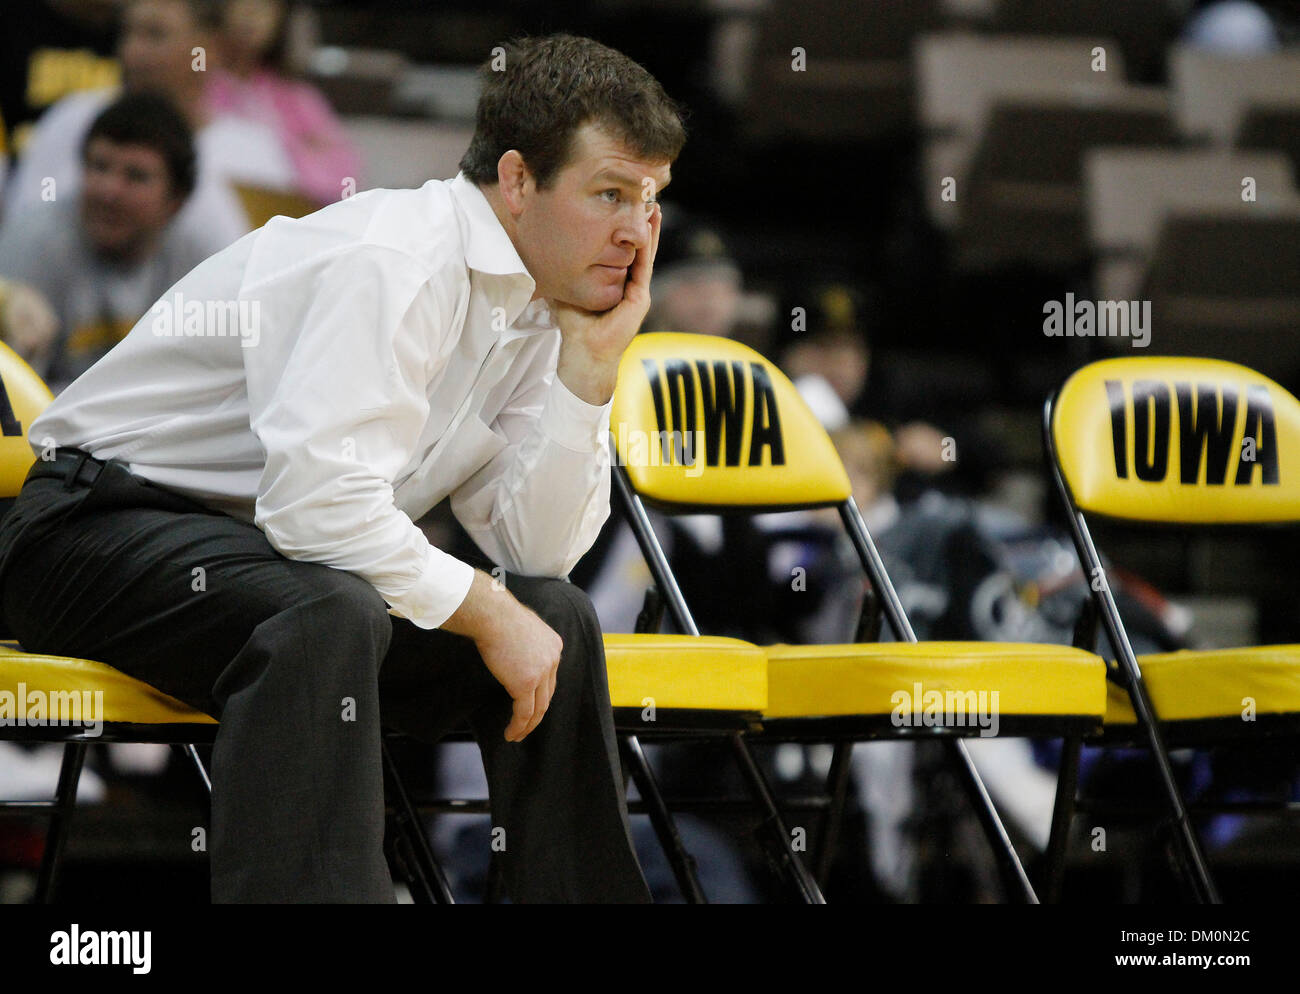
207, 14
549, 87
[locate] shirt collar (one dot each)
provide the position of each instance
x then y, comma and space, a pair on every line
488, 248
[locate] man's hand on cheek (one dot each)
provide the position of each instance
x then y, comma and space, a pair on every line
592, 343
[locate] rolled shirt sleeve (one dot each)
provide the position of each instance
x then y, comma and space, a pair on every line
538, 506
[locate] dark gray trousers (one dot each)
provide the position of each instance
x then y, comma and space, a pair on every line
300, 663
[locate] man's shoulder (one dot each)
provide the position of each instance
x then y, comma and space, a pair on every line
422, 221
72, 115
418, 227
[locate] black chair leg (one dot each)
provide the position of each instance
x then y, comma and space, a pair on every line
681, 861
1188, 859
1186, 845
773, 829
837, 785
1058, 843
1012, 870
74, 757
428, 883
193, 755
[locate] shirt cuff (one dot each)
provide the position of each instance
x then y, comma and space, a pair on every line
570, 421
436, 595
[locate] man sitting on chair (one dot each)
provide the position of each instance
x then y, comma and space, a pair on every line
224, 506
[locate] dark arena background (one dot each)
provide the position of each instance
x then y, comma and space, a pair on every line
905, 226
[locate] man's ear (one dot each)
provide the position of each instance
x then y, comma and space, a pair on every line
514, 181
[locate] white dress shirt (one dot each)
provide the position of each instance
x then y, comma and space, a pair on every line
385, 355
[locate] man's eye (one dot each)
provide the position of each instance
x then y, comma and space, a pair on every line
613, 199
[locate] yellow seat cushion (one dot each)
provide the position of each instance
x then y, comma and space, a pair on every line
65, 688
806, 681
686, 671
1213, 683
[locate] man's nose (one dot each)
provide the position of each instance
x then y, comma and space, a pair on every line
106, 185
636, 232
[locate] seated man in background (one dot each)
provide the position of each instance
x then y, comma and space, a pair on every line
168, 47
101, 258
698, 289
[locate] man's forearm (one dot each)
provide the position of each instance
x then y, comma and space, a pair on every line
475, 613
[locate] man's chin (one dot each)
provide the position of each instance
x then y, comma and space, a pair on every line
605, 298
108, 240
595, 301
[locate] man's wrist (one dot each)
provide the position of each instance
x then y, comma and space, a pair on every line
573, 423
481, 610
588, 378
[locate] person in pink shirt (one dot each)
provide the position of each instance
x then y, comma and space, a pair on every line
255, 82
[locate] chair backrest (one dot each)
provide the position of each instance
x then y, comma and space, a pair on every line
261, 204
1131, 190
1212, 91
23, 395
961, 75
1141, 33
1186, 441
706, 423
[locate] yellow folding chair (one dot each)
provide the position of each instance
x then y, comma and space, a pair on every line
705, 424
1183, 442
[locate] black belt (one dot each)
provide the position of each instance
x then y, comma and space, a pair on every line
73, 466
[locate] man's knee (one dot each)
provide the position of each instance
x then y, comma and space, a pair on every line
336, 618
323, 631
563, 606
343, 604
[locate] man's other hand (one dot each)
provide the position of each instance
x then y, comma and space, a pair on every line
28, 323
518, 648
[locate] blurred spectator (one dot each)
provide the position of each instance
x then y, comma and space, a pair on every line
829, 362
54, 48
167, 46
255, 83
103, 257
871, 461
697, 284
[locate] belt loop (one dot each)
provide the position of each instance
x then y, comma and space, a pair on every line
71, 480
